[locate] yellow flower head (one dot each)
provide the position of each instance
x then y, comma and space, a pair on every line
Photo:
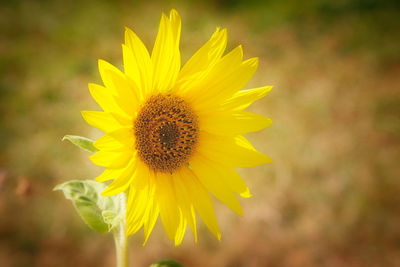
173, 134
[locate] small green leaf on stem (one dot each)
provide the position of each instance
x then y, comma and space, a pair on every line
100, 213
166, 263
82, 142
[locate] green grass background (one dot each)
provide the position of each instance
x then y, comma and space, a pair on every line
332, 196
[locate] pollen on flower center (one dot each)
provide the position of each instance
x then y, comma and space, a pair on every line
166, 131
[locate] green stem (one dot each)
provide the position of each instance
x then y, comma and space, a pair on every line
121, 240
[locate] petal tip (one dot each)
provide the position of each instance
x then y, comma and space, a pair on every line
253, 62
91, 85
101, 62
85, 113
267, 160
173, 13
127, 29
99, 179
219, 236
246, 194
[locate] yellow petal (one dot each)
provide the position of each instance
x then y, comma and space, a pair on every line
106, 142
213, 180
150, 219
233, 82
230, 151
104, 98
230, 178
242, 99
223, 68
124, 120
108, 83
121, 183
112, 159
144, 176
233, 123
126, 97
137, 62
165, 56
169, 212
140, 201
124, 90
184, 202
101, 120
201, 200
226, 78
109, 174
200, 64
152, 211
136, 208
180, 232
235, 182
124, 136
132, 225
192, 222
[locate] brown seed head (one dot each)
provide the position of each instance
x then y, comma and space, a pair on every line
166, 131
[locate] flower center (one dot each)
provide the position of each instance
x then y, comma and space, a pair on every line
166, 131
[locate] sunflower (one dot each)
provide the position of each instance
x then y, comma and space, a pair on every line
174, 135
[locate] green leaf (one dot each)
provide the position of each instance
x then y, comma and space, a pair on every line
100, 213
82, 142
166, 263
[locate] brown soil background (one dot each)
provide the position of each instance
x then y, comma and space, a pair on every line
332, 196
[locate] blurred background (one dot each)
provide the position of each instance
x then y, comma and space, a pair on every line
332, 196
